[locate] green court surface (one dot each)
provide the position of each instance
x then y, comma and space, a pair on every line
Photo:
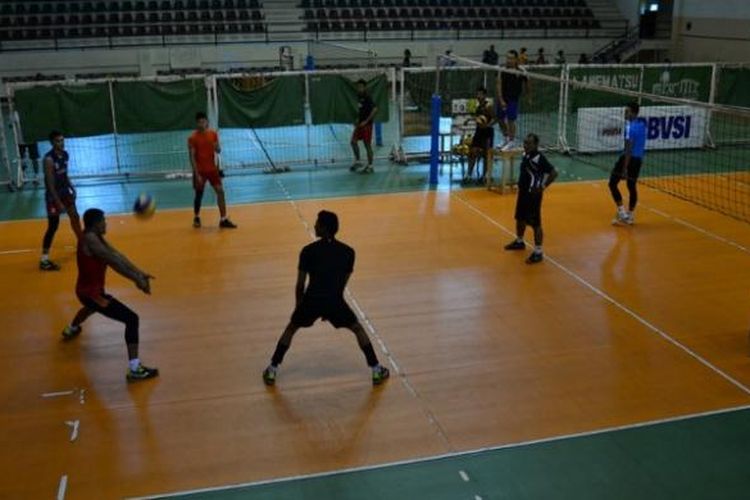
303, 182
693, 458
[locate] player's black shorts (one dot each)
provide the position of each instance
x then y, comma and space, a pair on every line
32, 148
634, 168
336, 311
529, 208
483, 138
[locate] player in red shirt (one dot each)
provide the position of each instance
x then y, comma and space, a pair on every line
94, 255
203, 145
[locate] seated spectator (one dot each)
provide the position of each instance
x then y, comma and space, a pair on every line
540, 56
490, 56
523, 57
583, 59
407, 59
560, 59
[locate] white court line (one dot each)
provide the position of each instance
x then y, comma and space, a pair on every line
62, 487
617, 304
14, 252
74, 424
699, 229
459, 454
57, 394
431, 418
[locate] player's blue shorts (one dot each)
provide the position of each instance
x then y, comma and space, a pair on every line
510, 112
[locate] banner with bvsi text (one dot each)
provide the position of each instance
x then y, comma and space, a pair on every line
667, 127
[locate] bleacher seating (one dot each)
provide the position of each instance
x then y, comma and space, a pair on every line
25, 21
388, 15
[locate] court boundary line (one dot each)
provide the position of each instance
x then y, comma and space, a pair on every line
607, 298
425, 189
432, 419
458, 454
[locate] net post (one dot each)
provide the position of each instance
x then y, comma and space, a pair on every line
12, 110
435, 138
401, 111
114, 124
711, 100
4, 146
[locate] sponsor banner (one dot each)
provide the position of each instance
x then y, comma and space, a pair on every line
667, 127
690, 82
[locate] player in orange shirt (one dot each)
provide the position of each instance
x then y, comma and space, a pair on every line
203, 145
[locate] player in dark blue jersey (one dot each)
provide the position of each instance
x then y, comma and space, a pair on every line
60, 197
628, 165
536, 174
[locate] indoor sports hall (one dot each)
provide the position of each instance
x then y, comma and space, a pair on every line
617, 365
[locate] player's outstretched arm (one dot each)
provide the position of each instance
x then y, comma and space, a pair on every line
116, 261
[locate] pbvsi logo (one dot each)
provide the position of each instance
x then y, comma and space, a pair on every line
685, 88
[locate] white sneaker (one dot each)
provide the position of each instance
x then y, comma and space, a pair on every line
620, 218
505, 143
630, 218
508, 146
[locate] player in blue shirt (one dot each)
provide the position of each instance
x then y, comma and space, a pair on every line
628, 165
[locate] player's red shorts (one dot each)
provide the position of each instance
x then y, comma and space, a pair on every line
67, 201
212, 176
363, 133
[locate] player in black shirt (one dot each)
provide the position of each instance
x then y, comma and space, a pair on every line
536, 175
329, 263
59, 196
483, 135
363, 127
509, 90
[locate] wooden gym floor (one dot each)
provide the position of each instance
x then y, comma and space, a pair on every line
619, 326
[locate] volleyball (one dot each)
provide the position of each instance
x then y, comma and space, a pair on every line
144, 206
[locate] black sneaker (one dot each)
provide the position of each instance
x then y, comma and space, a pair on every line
355, 166
48, 265
269, 375
141, 373
71, 332
380, 374
515, 245
196, 222
535, 258
367, 170
227, 224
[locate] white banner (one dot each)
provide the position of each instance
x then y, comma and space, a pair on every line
667, 127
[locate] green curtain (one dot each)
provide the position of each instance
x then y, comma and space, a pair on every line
333, 99
278, 103
76, 111
734, 87
158, 107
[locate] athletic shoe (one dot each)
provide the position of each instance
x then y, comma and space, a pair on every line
355, 166
515, 245
367, 170
269, 375
71, 332
380, 374
227, 224
196, 222
141, 373
620, 218
48, 265
535, 258
630, 219
508, 146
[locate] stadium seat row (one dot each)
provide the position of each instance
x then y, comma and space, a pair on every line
114, 18
462, 24
63, 7
441, 3
127, 31
448, 12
